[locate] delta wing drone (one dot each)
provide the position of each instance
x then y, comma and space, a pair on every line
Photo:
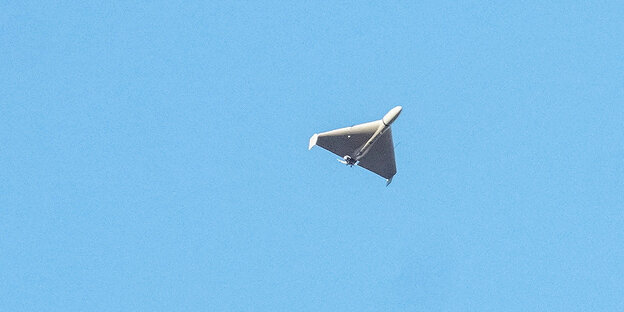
368, 145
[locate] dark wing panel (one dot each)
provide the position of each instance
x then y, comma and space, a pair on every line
345, 141
380, 159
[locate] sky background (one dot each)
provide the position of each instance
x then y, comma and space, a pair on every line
153, 156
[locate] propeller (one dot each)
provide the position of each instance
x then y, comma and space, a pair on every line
347, 160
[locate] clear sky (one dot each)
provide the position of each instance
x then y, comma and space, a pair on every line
153, 156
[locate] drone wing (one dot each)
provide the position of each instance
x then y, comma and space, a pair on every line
380, 158
345, 141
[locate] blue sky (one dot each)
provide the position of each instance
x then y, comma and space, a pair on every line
154, 156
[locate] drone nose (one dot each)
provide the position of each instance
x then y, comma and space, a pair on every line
392, 115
